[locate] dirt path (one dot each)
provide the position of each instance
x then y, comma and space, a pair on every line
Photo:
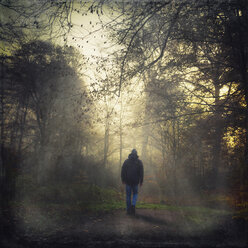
149, 228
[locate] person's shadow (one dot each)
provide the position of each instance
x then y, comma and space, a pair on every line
151, 219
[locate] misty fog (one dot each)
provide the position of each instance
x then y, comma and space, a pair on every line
84, 83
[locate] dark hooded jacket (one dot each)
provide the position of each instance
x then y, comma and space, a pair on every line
132, 171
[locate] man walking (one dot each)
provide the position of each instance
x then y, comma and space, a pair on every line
132, 173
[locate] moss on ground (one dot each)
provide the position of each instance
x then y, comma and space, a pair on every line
189, 209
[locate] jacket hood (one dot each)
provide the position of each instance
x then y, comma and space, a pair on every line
133, 156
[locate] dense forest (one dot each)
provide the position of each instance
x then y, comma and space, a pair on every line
85, 82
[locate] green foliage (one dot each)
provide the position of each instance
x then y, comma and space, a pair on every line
185, 209
198, 218
242, 213
106, 206
84, 196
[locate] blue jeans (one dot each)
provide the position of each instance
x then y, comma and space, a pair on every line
129, 190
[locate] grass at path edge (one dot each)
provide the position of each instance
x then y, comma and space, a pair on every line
108, 207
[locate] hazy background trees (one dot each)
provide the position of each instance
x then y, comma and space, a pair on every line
193, 61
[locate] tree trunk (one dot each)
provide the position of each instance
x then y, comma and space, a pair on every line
23, 123
7, 176
41, 154
242, 49
163, 139
106, 141
217, 136
2, 159
245, 176
121, 141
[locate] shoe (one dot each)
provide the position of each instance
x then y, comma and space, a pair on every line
129, 211
133, 209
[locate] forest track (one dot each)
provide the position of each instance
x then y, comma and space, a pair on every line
149, 228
